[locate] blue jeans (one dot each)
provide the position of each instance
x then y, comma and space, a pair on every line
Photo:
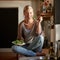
31, 49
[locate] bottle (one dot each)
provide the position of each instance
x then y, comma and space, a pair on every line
44, 8
51, 52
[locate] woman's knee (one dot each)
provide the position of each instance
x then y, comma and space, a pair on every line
41, 38
14, 47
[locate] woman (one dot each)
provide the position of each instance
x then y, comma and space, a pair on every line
30, 31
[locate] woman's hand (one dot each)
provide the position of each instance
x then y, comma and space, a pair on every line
40, 19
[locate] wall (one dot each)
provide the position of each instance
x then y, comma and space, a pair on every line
19, 4
57, 20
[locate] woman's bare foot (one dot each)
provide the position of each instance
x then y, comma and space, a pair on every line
40, 54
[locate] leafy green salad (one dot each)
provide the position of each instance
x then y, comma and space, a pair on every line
18, 42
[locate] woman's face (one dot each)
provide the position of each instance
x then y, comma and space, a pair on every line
29, 13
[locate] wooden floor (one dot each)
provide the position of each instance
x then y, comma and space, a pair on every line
8, 56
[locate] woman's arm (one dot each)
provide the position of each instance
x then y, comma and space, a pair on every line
19, 36
38, 26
